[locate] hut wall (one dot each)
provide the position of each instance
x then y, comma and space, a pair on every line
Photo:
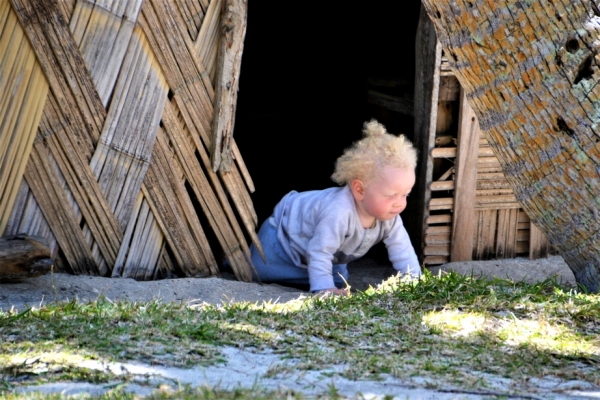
108, 109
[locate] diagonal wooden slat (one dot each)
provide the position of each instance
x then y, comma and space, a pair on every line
185, 149
42, 179
103, 32
125, 147
173, 208
193, 15
207, 43
20, 112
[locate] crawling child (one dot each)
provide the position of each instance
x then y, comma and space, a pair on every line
312, 236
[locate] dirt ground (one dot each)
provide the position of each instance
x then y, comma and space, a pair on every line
35, 292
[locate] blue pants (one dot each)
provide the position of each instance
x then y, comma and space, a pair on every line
279, 268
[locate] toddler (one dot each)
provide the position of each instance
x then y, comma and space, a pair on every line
311, 236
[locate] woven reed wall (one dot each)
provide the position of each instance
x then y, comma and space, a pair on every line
107, 109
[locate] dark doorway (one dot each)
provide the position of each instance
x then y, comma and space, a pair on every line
305, 78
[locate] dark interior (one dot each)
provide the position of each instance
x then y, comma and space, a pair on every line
304, 83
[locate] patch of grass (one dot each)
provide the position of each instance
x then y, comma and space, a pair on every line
440, 328
189, 393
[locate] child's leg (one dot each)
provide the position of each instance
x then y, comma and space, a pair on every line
340, 275
279, 267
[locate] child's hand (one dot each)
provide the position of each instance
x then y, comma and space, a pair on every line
334, 291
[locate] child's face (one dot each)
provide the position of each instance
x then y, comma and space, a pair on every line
384, 197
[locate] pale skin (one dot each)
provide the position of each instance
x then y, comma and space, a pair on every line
380, 199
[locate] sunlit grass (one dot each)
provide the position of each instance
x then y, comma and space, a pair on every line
440, 328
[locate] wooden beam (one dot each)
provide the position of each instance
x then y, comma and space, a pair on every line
233, 32
463, 223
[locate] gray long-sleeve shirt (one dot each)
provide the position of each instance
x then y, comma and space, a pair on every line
321, 228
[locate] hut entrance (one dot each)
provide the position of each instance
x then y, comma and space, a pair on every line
310, 79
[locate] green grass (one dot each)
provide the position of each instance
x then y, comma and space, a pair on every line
448, 328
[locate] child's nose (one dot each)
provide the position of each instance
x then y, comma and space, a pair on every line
400, 204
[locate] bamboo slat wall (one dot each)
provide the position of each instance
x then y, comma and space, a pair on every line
107, 111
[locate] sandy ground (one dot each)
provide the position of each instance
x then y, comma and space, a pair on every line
35, 292
247, 368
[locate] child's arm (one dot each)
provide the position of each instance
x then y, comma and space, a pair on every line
400, 250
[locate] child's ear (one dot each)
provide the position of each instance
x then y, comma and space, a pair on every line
358, 189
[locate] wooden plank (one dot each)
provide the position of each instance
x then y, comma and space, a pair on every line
523, 248
62, 63
440, 186
503, 232
218, 211
123, 255
483, 169
487, 161
489, 233
145, 246
494, 185
450, 152
233, 32
437, 239
439, 229
466, 176
124, 151
193, 15
495, 192
443, 152
428, 58
511, 234
175, 214
16, 139
492, 176
439, 219
497, 206
205, 42
442, 250
523, 217
54, 204
523, 236
103, 35
481, 249
446, 174
166, 265
435, 260
504, 198
87, 192
538, 244
436, 203
237, 156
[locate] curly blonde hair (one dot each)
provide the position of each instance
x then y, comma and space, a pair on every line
376, 149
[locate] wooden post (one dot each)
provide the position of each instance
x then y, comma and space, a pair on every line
233, 31
428, 58
463, 220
